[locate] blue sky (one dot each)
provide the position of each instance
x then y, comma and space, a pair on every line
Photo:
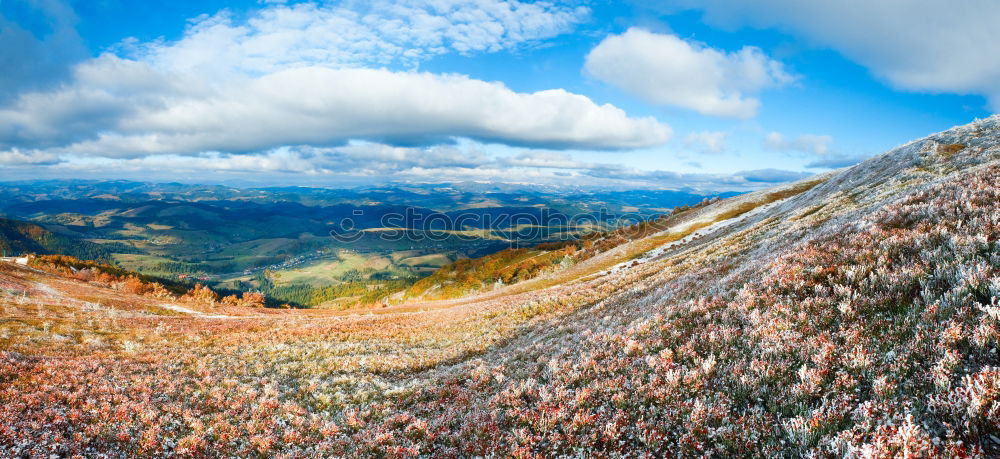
713, 95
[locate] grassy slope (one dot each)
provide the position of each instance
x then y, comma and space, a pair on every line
484, 272
853, 318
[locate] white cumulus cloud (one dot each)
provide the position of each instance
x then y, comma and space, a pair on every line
667, 70
926, 45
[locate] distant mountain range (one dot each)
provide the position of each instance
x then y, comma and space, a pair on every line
224, 236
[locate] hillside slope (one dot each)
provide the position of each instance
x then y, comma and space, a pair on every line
857, 316
18, 237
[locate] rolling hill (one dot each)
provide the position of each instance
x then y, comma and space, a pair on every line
18, 238
851, 314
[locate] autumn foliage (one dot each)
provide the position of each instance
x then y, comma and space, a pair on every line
249, 300
119, 279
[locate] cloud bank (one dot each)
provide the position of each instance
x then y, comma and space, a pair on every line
367, 162
118, 107
304, 75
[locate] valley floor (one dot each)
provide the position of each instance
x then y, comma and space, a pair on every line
855, 317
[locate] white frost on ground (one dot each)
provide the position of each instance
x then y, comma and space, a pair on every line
183, 310
710, 229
